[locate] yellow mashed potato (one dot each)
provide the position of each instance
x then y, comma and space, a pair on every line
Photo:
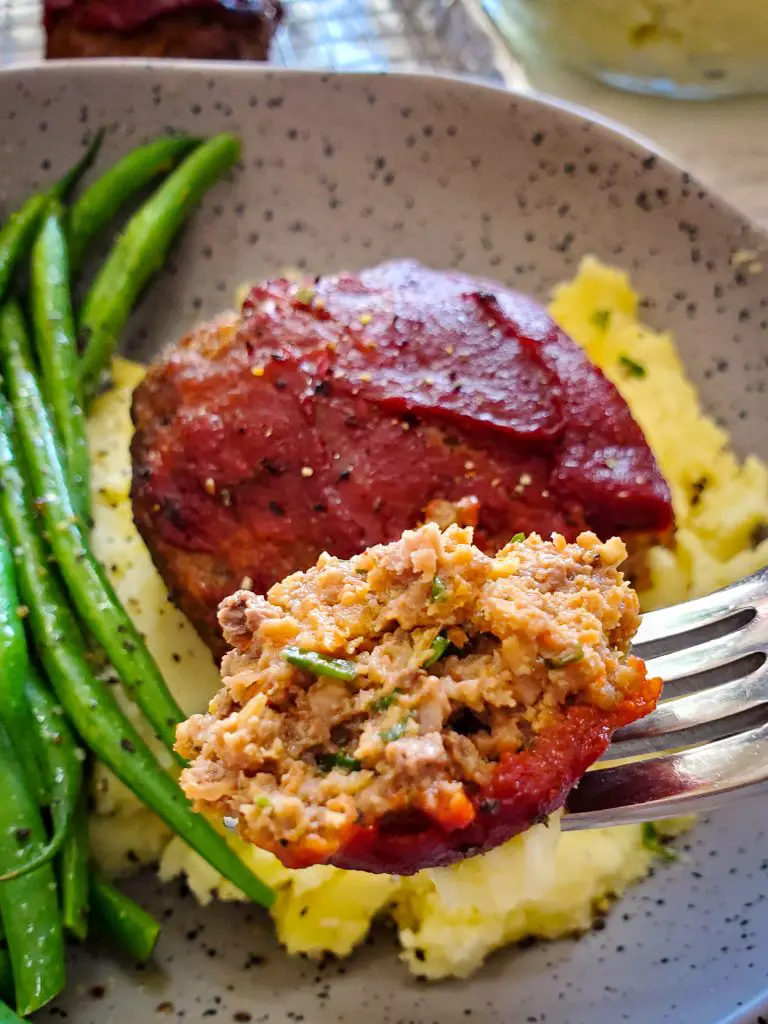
542, 883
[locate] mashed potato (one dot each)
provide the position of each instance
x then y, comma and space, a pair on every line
542, 883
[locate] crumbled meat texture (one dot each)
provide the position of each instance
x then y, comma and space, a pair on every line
333, 415
541, 629
196, 29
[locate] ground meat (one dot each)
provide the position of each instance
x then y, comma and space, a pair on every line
333, 415
419, 702
199, 29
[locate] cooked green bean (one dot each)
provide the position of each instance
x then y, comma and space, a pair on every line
89, 705
28, 905
15, 712
66, 185
17, 233
141, 249
91, 592
73, 873
16, 236
56, 344
7, 1016
6, 974
96, 207
63, 768
134, 930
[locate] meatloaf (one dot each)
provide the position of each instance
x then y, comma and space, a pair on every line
418, 703
331, 415
201, 29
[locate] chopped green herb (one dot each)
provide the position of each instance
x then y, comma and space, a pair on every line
439, 590
567, 658
397, 731
386, 701
653, 842
518, 538
631, 368
327, 762
320, 664
601, 318
440, 645
304, 296
263, 801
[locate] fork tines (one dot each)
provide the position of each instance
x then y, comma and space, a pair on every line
709, 735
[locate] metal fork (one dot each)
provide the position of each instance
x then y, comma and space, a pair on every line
709, 735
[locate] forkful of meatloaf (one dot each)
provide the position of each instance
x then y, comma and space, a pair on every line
418, 703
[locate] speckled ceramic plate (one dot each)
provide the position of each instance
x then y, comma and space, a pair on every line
341, 172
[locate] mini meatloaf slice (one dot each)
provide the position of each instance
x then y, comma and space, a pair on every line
331, 415
200, 29
418, 703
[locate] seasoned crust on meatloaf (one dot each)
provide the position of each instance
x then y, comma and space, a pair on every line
394, 693
214, 32
335, 416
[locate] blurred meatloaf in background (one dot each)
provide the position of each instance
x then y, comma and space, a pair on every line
198, 29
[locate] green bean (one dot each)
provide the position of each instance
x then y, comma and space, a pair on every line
15, 712
6, 977
7, 1016
91, 592
66, 185
134, 930
16, 236
17, 233
96, 207
141, 249
6, 973
28, 905
89, 705
73, 873
64, 769
56, 343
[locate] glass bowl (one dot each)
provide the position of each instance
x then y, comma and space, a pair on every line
688, 49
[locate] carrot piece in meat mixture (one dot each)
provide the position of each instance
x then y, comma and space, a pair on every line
420, 702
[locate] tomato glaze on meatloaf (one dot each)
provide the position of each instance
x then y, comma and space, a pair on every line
418, 703
333, 415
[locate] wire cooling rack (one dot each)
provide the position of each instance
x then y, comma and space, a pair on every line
348, 35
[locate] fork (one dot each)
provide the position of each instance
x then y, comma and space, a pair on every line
708, 737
